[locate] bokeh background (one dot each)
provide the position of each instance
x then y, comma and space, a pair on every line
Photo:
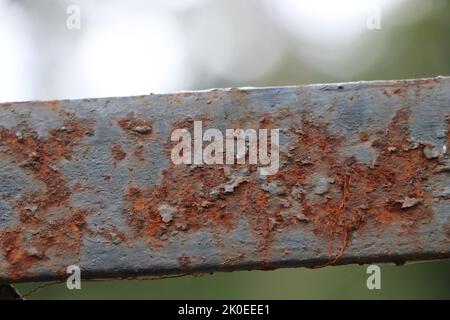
136, 47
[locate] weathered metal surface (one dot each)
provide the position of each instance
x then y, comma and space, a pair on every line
364, 177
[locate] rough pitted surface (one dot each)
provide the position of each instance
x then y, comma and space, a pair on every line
364, 176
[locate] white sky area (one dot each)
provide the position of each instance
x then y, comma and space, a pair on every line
329, 21
138, 47
15, 54
132, 56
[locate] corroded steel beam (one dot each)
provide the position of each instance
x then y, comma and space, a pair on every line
363, 177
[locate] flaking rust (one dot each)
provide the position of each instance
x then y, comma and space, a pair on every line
39, 158
363, 177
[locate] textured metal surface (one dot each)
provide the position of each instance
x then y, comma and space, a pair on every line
364, 177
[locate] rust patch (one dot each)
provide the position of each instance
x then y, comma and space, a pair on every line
138, 126
117, 152
399, 91
54, 104
357, 192
374, 193
185, 261
139, 129
47, 221
194, 211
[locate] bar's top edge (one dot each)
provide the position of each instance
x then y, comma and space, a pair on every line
333, 86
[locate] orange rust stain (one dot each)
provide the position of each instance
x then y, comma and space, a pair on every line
178, 98
419, 84
139, 130
339, 213
144, 216
373, 193
117, 152
54, 104
40, 158
137, 126
61, 236
399, 91
185, 261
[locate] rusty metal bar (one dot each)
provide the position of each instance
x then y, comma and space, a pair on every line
363, 177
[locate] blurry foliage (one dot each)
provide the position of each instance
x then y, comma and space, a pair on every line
425, 280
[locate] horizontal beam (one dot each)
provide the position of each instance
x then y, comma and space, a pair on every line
363, 177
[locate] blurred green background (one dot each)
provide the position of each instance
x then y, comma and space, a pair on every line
137, 47
425, 280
